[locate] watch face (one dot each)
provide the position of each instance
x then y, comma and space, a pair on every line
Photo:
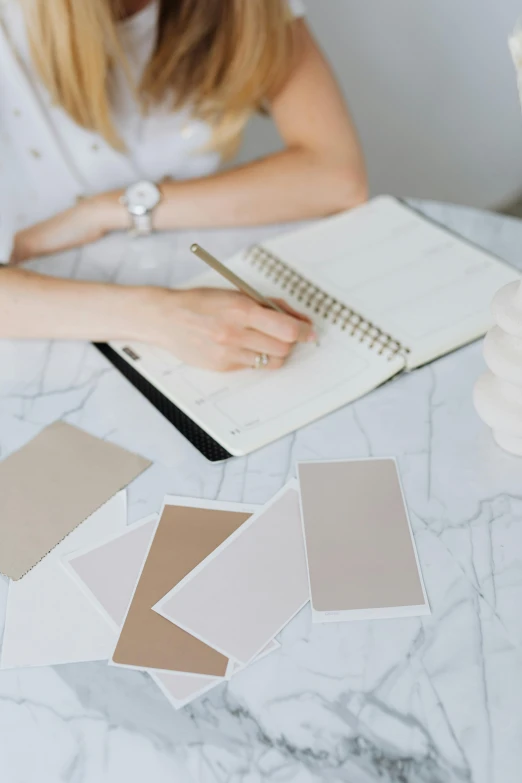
142, 197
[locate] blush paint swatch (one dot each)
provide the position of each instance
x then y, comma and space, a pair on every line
360, 549
246, 591
51, 485
109, 570
108, 573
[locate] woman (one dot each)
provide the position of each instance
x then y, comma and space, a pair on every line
119, 112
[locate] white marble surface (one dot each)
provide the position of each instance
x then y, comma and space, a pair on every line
427, 700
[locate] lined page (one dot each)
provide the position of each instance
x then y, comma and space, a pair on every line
426, 287
247, 409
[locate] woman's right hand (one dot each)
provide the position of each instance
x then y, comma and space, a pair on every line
223, 330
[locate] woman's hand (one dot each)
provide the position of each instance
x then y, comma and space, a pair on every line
86, 222
223, 330
212, 328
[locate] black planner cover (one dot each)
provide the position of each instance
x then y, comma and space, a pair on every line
200, 439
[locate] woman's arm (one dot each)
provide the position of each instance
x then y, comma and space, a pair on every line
215, 329
321, 171
37, 306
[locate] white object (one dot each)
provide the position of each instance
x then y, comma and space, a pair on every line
387, 289
141, 199
242, 595
48, 619
498, 392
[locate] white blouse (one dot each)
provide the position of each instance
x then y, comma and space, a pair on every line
47, 160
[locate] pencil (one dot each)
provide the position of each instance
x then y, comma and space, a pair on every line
240, 284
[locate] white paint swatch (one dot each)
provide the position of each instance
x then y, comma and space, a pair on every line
48, 619
240, 597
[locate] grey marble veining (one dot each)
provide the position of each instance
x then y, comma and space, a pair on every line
423, 700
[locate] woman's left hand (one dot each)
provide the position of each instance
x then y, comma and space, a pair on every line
86, 222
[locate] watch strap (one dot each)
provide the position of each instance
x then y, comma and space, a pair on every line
141, 224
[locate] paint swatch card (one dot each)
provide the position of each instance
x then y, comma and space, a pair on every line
51, 485
248, 589
107, 572
268, 650
49, 620
187, 532
361, 554
181, 689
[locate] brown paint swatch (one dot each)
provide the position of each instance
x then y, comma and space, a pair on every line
360, 550
51, 485
184, 537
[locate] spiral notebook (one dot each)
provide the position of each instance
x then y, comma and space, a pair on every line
388, 291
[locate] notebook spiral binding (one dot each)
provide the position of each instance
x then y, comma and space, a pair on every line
322, 304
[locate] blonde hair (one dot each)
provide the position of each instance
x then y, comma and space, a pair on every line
223, 58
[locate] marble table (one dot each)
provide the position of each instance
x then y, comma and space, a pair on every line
423, 700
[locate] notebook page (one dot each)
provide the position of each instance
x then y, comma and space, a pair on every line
247, 409
426, 287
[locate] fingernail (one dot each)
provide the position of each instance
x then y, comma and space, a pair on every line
312, 338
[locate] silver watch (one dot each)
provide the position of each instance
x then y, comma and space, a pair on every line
140, 200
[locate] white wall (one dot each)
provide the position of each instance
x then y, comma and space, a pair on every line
433, 92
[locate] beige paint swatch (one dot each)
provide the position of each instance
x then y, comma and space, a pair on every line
361, 555
246, 591
51, 485
184, 537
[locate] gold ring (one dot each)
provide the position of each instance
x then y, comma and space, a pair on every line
261, 361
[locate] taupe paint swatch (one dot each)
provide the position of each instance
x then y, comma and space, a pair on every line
184, 537
51, 485
358, 542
